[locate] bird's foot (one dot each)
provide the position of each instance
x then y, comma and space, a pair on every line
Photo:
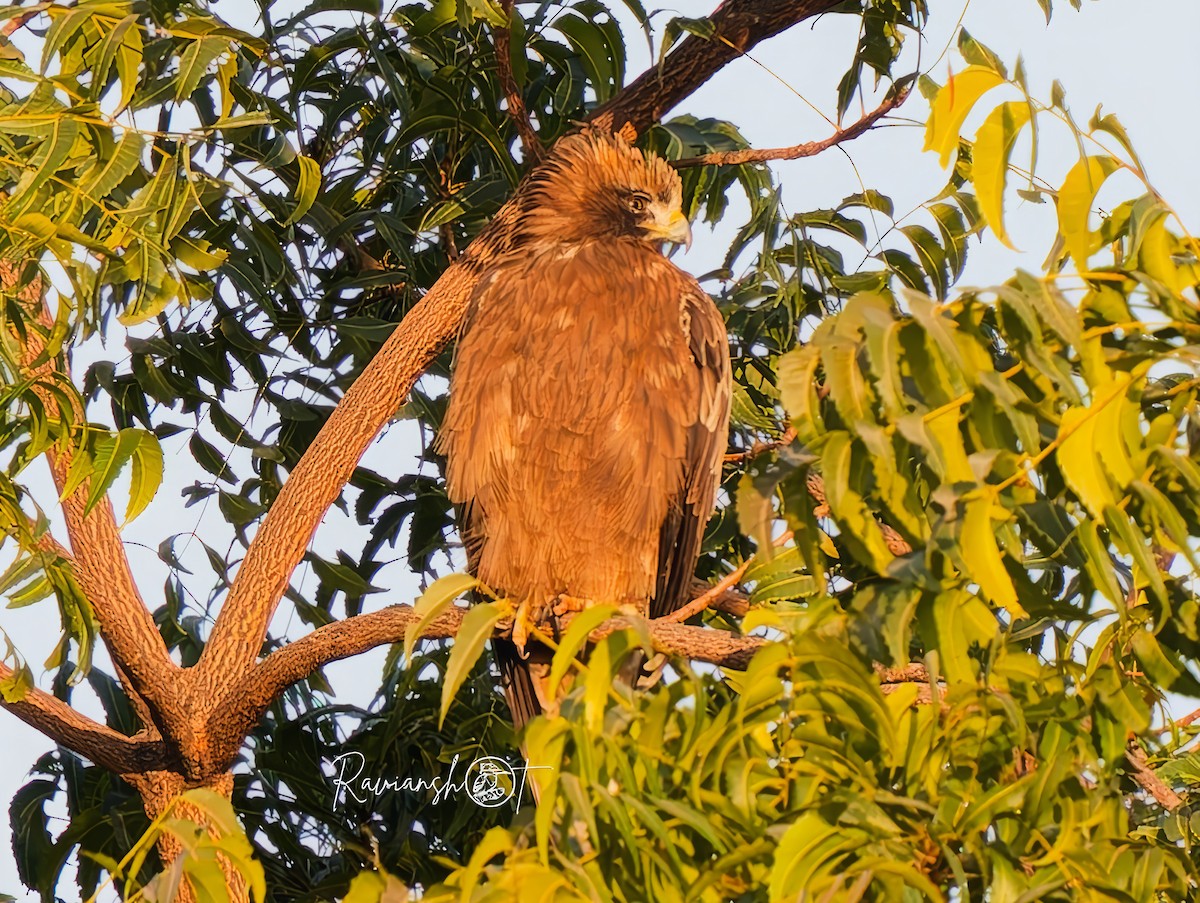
565, 605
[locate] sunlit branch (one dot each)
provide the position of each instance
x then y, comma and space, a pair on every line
895, 98
80, 734
517, 111
98, 555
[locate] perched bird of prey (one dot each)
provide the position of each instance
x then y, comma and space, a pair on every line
589, 400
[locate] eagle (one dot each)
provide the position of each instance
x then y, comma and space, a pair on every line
589, 399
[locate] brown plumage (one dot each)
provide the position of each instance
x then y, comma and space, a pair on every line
589, 402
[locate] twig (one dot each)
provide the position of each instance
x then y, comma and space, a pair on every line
1145, 777
761, 448
737, 27
1186, 720
809, 148
18, 21
704, 600
517, 111
729, 601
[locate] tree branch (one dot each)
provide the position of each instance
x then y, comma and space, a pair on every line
330, 460
80, 734
534, 151
891, 679
737, 27
896, 543
896, 96
98, 555
228, 725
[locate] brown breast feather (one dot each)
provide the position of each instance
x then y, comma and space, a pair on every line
587, 420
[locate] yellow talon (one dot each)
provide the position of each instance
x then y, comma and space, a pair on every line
564, 604
520, 628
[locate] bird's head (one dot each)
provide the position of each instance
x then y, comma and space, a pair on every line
596, 185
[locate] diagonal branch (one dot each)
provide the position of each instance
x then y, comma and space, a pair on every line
80, 734
896, 96
17, 22
330, 460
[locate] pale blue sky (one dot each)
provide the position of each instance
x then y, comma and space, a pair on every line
1138, 59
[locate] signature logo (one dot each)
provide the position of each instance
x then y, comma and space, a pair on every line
488, 781
491, 782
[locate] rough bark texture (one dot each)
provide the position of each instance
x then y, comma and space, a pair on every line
353, 636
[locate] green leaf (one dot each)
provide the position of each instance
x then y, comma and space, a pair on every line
306, 188
194, 63
146, 475
109, 173
982, 558
50, 157
989, 167
978, 54
476, 629
575, 638
798, 390
434, 602
111, 455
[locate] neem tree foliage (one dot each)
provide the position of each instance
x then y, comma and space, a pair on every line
941, 684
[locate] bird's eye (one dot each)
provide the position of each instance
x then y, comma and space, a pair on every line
638, 203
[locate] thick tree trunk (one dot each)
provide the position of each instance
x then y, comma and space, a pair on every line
158, 790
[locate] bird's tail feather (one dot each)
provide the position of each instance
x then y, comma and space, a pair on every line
521, 688
520, 685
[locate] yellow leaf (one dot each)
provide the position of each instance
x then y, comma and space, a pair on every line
989, 161
1078, 453
434, 602
951, 106
1110, 431
947, 445
476, 629
1156, 258
1075, 200
983, 561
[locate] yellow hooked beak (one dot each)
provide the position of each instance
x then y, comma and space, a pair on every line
670, 225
